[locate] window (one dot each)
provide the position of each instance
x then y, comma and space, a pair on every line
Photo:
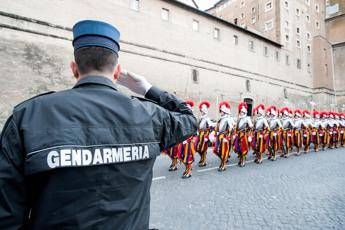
235, 21
286, 4
216, 33
242, 4
285, 92
287, 60
297, 30
317, 8
253, 15
195, 25
268, 25
251, 45
134, 5
298, 43
307, 2
325, 52
326, 69
308, 18
266, 51
165, 14
308, 68
308, 36
317, 24
242, 15
236, 39
277, 55
195, 75
299, 65
298, 12
309, 48
268, 6
287, 38
287, 24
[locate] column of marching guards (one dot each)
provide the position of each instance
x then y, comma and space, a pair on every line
271, 131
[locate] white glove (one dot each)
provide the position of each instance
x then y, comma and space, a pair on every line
136, 83
250, 139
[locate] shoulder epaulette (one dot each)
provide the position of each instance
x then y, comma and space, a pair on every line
39, 95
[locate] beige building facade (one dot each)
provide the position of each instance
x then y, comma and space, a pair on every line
177, 47
300, 27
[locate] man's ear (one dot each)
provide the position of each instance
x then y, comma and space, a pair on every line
74, 69
117, 72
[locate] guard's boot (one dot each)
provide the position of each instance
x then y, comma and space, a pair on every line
243, 161
260, 158
269, 155
307, 149
256, 154
202, 162
173, 166
273, 156
222, 166
298, 152
188, 172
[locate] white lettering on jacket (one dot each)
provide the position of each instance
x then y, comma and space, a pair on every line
83, 157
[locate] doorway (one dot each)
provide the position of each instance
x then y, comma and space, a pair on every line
249, 102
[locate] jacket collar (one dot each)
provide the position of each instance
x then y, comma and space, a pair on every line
98, 80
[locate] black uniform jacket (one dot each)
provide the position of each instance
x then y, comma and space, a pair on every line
82, 158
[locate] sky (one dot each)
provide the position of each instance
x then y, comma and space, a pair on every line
205, 4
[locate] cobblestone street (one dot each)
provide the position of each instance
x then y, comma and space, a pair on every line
305, 192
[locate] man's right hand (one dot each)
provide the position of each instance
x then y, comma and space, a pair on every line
136, 83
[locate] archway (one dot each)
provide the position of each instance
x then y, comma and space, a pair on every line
249, 102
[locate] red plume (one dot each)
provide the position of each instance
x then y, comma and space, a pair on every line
224, 103
191, 103
241, 105
298, 111
315, 112
306, 112
285, 109
207, 103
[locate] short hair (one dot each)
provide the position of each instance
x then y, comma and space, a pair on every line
95, 58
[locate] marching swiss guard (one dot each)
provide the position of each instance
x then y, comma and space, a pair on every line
316, 130
288, 125
243, 133
204, 128
324, 132
342, 129
337, 129
188, 150
275, 127
298, 124
333, 130
306, 130
261, 133
222, 134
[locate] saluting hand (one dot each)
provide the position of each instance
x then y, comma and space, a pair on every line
136, 83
